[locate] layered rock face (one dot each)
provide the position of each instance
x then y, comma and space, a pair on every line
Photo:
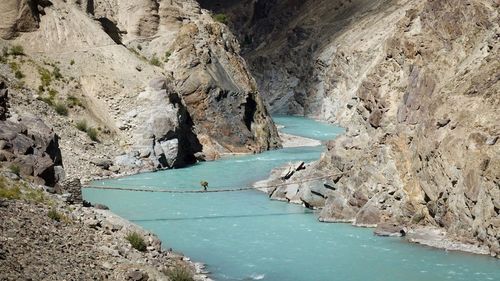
29, 147
108, 75
416, 85
20, 16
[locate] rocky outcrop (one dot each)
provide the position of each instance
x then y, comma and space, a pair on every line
208, 106
30, 148
4, 102
20, 16
208, 73
414, 83
163, 130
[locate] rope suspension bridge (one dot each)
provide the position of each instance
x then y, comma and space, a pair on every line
213, 190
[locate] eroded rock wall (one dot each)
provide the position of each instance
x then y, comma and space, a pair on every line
416, 85
209, 104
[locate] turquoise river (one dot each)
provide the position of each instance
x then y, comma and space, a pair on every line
245, 236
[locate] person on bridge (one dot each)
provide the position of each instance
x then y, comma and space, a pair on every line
204, 185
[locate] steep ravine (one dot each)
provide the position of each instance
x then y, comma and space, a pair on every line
416, 85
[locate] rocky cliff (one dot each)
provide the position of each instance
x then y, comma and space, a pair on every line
416, 85
132, 85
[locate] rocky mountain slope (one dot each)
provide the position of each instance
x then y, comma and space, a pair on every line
131, 85
415, 83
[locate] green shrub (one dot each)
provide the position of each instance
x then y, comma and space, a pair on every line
10, 193
52, 94
179, 273
15, 169
61, 109
139, 47
18, 74
47, 100
167, 56
74, 101
17, 50
45, 76
55, 215
155, 61
92, 133
72, 62
81, 125
136, 241
35, 195
222, 18
14, 66
57, 73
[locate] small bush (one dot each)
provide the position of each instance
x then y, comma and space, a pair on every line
136, 241
179, 273
74, 101
155, 61
18, 74
57, 73
92, 133
10, 193
81, 125
15, 169
222, 18
47, 100
72, 62
61, 109
167, 56
17, 50
45, 76
55, 215
52, 94
139, 47
14, 66
36, 195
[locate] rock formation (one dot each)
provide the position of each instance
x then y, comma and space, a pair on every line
29, 147
416, 85
209, 104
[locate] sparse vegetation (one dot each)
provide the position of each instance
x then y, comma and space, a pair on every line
14, 66
17, 50
4, 54
36, 195
61, 109
179, 273
74, 101
57, 73
15, 169
167, 56
155, 61
20, 190
81, 125
92, 133
9, 193
55, 215
222, 18
18, 74
72, 62
45, 76
137, 241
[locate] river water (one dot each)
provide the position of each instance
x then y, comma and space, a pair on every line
245, 236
